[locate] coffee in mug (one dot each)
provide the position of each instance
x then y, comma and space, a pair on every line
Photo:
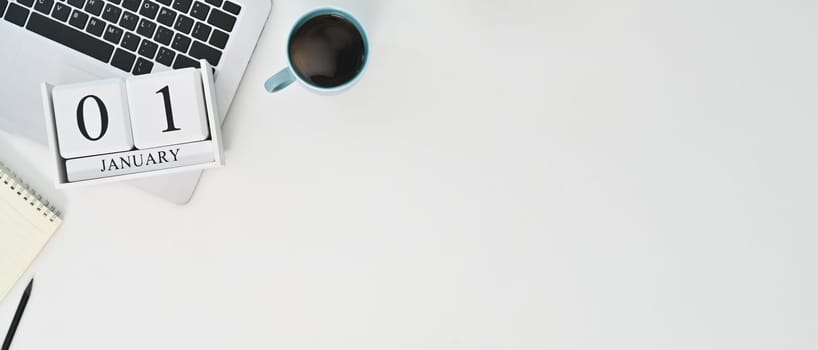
327, 51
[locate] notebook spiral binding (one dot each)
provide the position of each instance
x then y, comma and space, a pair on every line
9, 181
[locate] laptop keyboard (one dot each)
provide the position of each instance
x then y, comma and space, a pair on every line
132, 35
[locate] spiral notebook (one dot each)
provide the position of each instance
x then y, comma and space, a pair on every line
26, 224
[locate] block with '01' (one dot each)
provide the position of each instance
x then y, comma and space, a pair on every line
118, 129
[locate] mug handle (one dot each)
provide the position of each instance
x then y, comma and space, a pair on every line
279, 80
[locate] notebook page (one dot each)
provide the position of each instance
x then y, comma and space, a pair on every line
26, 225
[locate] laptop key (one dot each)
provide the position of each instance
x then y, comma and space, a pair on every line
146, 28
61, 11
180, 43
70, 37
132, 5
94, 7
219, 39
182, 5
142, 66
95, 26
200, 10
183, 61
129, 20
201, 31
163, 35
111, 13
77, 3
123, 60
78, 19
149, 9
116, 2
3, 5
17, 14
130, 41
183, 24
112, 34
43, 6
222, 20
148, 49
165, 56
199, 51
232, 7
26, 3
217, 3
166, 16
165, 2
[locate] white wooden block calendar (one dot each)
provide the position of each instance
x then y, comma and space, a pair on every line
122, 129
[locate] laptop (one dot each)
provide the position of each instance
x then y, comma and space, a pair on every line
67, 41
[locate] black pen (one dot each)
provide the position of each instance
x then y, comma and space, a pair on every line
17, 316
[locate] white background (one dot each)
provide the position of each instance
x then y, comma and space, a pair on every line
506, 175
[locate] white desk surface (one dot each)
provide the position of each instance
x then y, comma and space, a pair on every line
507, 175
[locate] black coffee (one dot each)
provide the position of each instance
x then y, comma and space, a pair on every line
327, 51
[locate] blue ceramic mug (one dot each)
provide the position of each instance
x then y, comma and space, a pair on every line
327, 51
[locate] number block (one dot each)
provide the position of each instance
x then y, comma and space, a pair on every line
167, 108
92, 118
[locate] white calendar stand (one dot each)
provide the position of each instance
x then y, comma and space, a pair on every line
61, 176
